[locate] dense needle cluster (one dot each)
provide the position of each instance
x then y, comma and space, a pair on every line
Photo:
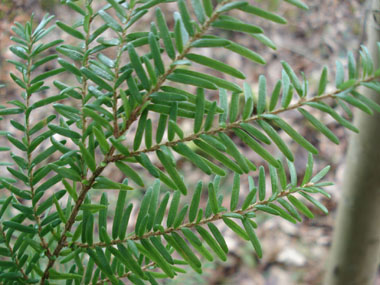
129, 109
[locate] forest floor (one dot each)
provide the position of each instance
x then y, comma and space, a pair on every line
293, 254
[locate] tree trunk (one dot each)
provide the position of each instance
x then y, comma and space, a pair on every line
355, 249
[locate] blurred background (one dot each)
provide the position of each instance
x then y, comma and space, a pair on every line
293, 254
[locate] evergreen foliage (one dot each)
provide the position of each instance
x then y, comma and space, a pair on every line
66, 234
